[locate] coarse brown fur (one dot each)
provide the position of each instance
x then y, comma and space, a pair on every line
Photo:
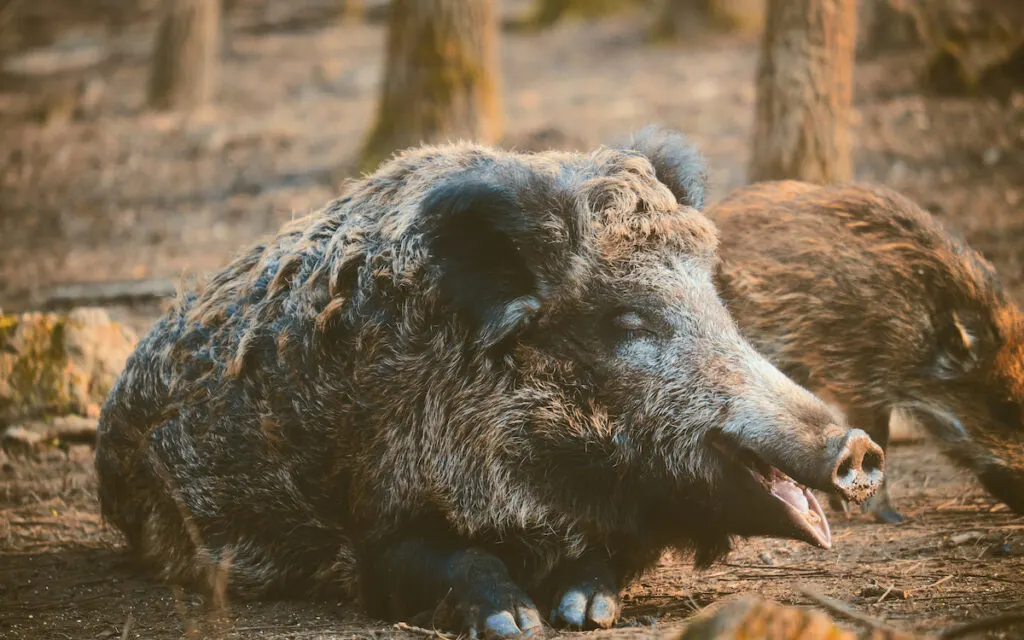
471, 356
859, 294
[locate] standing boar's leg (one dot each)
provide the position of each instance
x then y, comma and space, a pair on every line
876, 423
458, 586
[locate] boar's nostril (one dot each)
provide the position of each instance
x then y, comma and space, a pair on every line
844, 468
873, 462
858, 468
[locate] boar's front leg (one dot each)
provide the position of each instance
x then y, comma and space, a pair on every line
586, 594
462, 587
876, 423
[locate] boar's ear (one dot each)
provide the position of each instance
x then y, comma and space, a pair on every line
959, 345
677, 163
475, 233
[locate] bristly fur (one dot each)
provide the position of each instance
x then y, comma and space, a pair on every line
431, 352
676, 161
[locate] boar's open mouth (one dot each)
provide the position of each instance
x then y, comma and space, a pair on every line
798, 504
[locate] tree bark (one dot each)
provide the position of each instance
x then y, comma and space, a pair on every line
804, 92
185, 59
441, 78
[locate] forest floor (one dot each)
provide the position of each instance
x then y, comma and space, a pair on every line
116, 193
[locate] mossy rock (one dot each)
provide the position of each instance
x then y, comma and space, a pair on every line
753, 617
58, 364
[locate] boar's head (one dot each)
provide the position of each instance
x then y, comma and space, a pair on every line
973, 396
587, 282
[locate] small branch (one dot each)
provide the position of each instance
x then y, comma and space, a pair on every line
929, 586
71, 295
127, 627
430, 633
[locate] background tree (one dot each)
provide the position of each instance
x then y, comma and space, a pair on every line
186, 56
804, 91
441, 77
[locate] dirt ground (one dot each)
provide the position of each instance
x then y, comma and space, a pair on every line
118, 193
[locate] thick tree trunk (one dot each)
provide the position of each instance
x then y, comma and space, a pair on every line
441, 79
804, 92
185, 59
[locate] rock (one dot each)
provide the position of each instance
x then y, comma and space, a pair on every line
967, 537
876, 591
21, 440
59, 364
753, 617
32, 435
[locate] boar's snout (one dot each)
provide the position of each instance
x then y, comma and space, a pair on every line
858, 468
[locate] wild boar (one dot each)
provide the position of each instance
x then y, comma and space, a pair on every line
857, 293
476, 383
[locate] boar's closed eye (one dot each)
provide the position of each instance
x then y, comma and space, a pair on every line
631, 324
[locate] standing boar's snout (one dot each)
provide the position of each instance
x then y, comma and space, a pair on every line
484, 386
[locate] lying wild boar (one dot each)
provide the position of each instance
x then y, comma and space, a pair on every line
478, 381
857, 293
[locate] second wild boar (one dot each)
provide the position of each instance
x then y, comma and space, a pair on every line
857, 293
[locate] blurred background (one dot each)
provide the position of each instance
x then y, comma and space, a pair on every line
140, 139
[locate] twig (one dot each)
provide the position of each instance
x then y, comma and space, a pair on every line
430, 633
127, 627
780, 567
693, 603
984, 624
887, 592
843, 610
929, 586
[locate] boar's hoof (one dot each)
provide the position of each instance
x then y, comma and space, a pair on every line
859, 468
496, 611
587, 606
586, 596
482, 601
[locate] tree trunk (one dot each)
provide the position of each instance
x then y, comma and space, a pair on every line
804, 92
185, 59
441, 78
